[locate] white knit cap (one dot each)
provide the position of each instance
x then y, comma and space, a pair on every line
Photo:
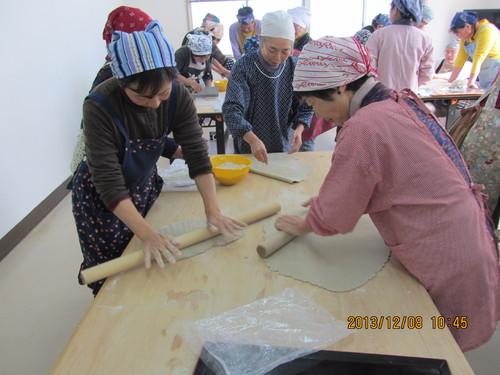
278, 25
300, 16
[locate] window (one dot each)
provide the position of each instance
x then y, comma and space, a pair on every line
337, 18
226, 10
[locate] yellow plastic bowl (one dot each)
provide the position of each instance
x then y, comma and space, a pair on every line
221, 85
230, 176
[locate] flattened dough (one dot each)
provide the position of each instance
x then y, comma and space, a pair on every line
338, 263
177, 229
283, 167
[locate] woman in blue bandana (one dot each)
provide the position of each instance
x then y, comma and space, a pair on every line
246, 27
126, 121
479, 41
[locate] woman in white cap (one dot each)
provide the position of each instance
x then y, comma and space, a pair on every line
260, 109
402, 53
301, 18
193, 62
394, 162
126, 121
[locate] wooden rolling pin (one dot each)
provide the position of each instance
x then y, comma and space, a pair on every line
129, 261
274, 243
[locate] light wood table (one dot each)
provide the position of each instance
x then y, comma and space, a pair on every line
439, 90
211, 108
134, 324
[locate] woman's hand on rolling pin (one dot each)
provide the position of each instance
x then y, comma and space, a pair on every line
228, 227
157, 246
296, 225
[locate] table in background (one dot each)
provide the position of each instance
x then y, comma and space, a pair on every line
134, 324
439, 90
211, 108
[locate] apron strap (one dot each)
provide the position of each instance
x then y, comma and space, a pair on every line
102, 100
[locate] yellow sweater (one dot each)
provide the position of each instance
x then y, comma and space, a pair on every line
487, 41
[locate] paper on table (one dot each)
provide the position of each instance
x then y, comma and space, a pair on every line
176, 177
283, 167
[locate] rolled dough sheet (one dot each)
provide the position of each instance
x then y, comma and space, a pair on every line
177, 229
338, 263
283, 167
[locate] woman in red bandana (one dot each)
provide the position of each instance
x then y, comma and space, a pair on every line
126, 19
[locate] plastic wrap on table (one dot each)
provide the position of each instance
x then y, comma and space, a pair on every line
273, 330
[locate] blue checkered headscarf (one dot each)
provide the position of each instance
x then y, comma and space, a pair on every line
410, 8
140, 51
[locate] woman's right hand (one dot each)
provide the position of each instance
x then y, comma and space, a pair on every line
259, 150
196, 86
158, 246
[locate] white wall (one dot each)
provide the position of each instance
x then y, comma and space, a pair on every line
443, 13
51, 52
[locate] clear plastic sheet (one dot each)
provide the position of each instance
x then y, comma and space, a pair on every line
255, 338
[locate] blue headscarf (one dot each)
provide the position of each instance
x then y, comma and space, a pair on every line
381, 19
460, 19
410, 9
140, 51
427, 14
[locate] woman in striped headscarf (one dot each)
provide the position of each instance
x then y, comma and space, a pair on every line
126, 123
394, 162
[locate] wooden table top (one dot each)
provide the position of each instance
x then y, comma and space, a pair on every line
440, 89
134, 324
210, 105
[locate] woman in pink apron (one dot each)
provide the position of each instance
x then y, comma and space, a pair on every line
394, 162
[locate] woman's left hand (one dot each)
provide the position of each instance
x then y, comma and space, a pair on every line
228, 227
292, 224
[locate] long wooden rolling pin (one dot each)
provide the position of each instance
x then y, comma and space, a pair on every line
129, 261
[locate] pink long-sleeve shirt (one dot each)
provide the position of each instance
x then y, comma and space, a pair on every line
388, 164
402, 56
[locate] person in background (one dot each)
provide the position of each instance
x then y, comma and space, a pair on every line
260, 109
445, 67
251, 44
211, 26
362, 36
246, 27
394, 162
378, 22
126, 121
193, 62
443, 71
427, 16
301, 18
402, 53
479, 41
